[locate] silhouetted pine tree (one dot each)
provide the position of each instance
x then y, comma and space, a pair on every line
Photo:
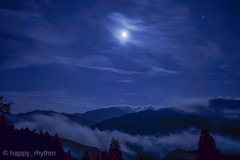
97, 158
68, 155
104, 156
41, 132
114, 150
58, 147
5, 109
85, 157
206, 147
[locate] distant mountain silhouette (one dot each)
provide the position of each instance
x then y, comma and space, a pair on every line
86, 118
213, 112
29, 116
164, 121
130, 109
221, 110
102, 114
221, 104
218, 109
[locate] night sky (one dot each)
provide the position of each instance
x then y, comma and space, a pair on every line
77, 55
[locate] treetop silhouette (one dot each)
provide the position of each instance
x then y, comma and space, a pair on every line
207, 149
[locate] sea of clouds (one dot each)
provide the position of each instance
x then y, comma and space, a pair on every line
130, 144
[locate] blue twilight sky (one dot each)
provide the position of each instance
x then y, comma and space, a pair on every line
72, 56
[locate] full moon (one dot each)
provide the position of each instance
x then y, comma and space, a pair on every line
124, 34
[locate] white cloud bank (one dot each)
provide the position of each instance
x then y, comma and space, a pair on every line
158, 145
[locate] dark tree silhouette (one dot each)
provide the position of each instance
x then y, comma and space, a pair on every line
97, 158
206, 147
5, 109
68, 155
27, 140
104, 156
41, 133
114, 150
59, 148
85, 157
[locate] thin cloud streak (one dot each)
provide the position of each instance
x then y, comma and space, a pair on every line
85, 62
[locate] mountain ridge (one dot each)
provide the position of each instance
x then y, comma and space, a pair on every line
164, 121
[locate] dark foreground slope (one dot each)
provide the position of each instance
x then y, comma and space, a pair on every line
78, 150
13, 142
180, 154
